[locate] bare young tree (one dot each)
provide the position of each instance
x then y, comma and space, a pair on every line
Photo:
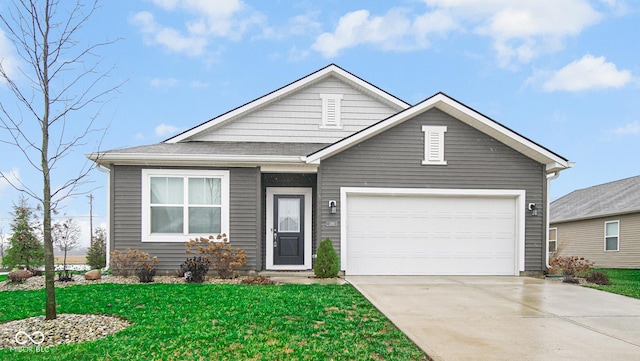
66, 236
58, 92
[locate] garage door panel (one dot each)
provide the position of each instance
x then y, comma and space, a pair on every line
424, 235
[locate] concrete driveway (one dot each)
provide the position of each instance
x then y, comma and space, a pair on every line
506, 318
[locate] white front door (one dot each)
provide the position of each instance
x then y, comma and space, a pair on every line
288, 228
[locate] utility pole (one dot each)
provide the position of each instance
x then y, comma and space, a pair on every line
90, 219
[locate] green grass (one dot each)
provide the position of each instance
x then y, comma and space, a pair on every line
623, 281
221, 322
3, 278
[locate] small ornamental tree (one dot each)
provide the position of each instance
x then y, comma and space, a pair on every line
25, 247
66, 236
97, 253
327, 265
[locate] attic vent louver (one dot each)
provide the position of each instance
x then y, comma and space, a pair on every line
331, 112
434, 145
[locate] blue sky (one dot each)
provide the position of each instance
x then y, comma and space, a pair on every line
564, 73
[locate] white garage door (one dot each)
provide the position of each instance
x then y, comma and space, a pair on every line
430, 235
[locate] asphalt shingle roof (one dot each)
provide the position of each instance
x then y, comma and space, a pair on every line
622, 196
224, 148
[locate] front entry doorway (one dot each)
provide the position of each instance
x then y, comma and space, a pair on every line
288, 228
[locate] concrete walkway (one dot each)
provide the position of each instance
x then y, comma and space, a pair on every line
507, 318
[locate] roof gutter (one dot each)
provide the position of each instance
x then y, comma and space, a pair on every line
192, 159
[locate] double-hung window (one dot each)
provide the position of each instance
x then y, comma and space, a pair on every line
178, 205
612, 236
553, 240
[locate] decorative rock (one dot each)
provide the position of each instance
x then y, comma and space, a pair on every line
93, 275
19, 275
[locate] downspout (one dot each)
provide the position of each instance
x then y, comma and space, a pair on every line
550, 177
107, 171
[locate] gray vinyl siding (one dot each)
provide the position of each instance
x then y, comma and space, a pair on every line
393, 159
585, 238
126, 208
297, 118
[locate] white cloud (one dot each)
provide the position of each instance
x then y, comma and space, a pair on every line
203, 20
632, 128
395, 30
164, 83
7, 57
587, 73
172, 39
520, 30
9, 177
298, 25
165, 129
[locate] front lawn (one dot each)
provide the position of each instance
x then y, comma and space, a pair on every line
623, 281
221, 322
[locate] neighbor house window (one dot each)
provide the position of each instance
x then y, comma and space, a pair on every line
434, 145
331, 111
178, 205
611, 235
553, 240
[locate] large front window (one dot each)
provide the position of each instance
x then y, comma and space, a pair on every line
179, 204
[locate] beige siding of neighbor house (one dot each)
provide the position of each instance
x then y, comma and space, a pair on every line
298, 118
586, 239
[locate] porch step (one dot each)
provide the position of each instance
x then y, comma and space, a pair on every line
286, 273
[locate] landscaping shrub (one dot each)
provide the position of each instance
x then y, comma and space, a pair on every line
327, 265
195, 269
19, 275
572, 265
598, 278
65, 276
145, 269
97, 252
219, 254
124, 264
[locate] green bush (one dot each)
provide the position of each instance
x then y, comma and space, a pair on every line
327, 265
97, 253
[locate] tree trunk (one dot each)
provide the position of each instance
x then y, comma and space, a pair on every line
49, 274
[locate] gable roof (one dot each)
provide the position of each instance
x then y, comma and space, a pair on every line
317, 76
618, 197
553, 161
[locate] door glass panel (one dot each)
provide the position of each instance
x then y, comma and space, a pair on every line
288, 215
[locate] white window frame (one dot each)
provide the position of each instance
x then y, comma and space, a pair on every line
555, 241
331, 120
147, 236
610, 236
434, 145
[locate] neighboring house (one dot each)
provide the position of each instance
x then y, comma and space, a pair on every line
600, 223
430, 189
